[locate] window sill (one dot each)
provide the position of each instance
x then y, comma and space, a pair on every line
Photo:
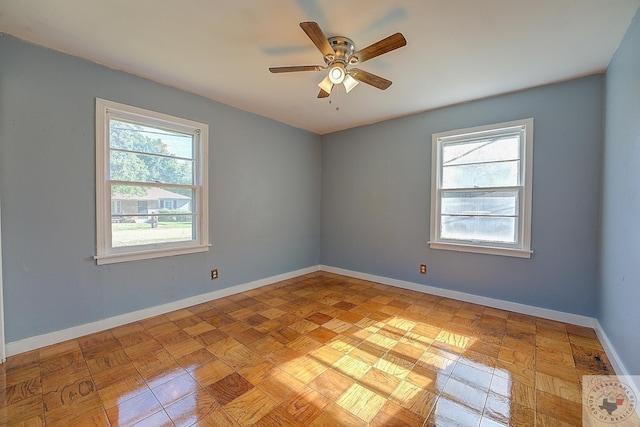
135, 256
518, 253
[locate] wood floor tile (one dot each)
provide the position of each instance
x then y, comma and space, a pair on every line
22, 411
558, 407
211, 372
591, 361
407, 352
330, 384
125, 389
361, 402
559, 387
316, 350
258, 371
394, 415
134, 410
217, 418
544, 420
106, 361
229, 388
16, 392
464, 394
281, 386
318, 318
478, 361
84, 415
436, 362
233, 353
250, 407
322, 334
175, 389
304, 344
519, 393
476, 378
554, 344
192, 408
526, 360
279, 417
415, 399
199, 328
159, 419
394, 365
581, 331
334, 415
306, 406
210, 337
135, 338
427, 379
195, 359
52, 351
450, 413
506, 412
515, 372
351, 367
380, 382
72, 393
556, 369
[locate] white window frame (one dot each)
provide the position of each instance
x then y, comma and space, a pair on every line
522, 247
106, 253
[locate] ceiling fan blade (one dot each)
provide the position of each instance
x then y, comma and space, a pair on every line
296, 68
370, 79
392, 42
318, 38
323, 94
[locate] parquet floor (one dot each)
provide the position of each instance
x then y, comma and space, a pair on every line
318, 350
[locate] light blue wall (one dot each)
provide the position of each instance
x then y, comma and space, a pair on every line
376, 199
264, 195
619, 296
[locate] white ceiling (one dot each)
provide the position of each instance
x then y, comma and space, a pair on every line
457, 50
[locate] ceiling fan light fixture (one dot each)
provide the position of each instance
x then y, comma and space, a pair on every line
326, 85
349, 83
337, 73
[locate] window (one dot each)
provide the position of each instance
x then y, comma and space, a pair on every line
481, 189
148, 162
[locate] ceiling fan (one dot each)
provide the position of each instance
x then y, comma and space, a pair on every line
339, 52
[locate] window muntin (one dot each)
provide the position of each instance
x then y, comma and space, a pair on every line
481, 189
147, 161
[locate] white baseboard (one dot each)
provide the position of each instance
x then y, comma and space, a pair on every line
617, 364
44, 340
559, 316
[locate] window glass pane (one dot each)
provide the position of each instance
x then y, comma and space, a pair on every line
482, 229
125, 166
146, 201
139, 230
480, 203
143, 218
481, 150
146, 139
501, 174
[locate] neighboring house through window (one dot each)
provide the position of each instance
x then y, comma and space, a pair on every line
481, 189
148, 163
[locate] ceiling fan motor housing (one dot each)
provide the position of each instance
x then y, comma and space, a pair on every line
343, 48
